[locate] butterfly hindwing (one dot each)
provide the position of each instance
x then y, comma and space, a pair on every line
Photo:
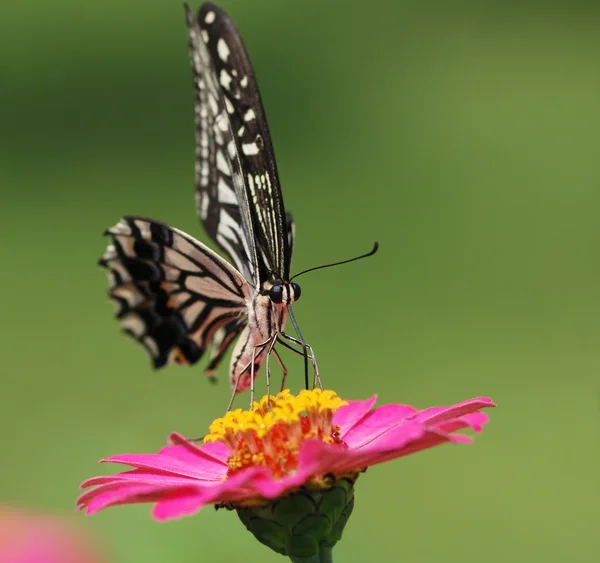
173, 293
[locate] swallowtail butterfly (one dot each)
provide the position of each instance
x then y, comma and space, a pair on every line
177, 297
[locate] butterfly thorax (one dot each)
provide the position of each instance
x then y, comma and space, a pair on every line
267, 314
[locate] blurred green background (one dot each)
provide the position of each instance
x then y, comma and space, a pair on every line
463, 137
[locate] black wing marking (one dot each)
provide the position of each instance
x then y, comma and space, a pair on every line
174, 294
221, 198
252, 147
221, 341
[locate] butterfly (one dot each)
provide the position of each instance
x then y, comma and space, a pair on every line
177, 297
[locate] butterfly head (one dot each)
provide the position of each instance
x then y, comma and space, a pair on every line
283, 293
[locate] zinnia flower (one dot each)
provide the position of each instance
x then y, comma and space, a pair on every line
287, 466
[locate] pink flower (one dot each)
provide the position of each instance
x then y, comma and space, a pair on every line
281, 445
29, 537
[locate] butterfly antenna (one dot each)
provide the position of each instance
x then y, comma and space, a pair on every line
370, 253
304, 347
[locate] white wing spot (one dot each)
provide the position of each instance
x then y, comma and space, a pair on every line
210, 17
203, 205
132, 322
204, 34
110, 252
151, 344
144, 227
250, 149
252, 187
214, 106
204, 168
222, 165
223, 50
226, 194
225, 79
121, 228
249, 115
229, 106
241, 130
267, 180
222, 122
229, 229
231, 149
244, 81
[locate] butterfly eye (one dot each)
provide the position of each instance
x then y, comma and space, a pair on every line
276, 293
297, 291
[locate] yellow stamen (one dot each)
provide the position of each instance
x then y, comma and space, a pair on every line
271, 432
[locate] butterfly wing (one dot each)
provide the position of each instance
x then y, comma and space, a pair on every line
237, 184
291, 235
221, 199
175, 296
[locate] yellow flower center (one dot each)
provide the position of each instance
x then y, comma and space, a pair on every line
270, 434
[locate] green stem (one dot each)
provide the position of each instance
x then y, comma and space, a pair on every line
325, 556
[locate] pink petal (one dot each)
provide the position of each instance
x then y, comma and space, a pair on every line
256, 481
111, 494
376, 423
335, 459
349, 415
140, 476
216, 452
197, 467
177, 504
433, 415
385, 425
475, 421
331, 459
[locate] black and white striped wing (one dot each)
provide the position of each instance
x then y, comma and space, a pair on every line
175, 296
237, 185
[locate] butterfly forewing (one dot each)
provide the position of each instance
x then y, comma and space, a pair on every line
221, 199
237, 112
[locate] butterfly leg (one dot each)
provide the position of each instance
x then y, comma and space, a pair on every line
237, 382
252, 376
289, 347
234, 392
282, 366
252, 364
268, 368
311, 356
257, 350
